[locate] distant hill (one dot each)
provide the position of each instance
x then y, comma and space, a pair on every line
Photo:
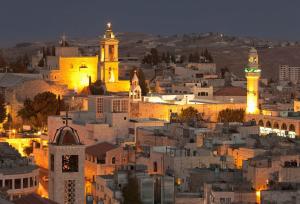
227, 51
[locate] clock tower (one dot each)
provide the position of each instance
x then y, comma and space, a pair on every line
66, 167
253, 72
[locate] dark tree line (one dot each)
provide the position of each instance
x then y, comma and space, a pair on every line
155, 58
231, 115
204, 57
18, 65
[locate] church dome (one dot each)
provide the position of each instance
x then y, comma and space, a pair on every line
66, 136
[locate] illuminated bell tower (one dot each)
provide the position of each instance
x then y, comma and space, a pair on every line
135, 93
109, 60
252, 74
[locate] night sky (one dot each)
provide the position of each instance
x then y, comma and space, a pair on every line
38, 20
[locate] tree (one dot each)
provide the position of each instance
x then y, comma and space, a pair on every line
35, 112
96, 88
142, 80
231, 115
131, 192
28, 150
3, 112
190, 115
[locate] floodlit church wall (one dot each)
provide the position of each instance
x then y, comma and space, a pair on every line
163, 111
76, 71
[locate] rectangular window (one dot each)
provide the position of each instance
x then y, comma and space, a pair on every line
31, 181
25, 182
99, 107
36, 181
52, 162
17, 183
8, 183
69, 163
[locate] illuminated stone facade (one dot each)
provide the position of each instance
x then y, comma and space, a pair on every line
109, 62
76, 72
163, 111
252, 75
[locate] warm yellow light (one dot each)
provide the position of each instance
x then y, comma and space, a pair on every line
178, 181
112, 76
257, 196
251, 107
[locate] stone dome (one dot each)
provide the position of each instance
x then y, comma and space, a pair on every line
66, 136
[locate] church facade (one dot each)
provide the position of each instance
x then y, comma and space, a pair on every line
77, 72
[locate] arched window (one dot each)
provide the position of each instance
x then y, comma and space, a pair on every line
261, 123
276, 125
113, 160
284, 126
292, 128
268, 124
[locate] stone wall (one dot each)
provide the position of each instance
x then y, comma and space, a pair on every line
162, 111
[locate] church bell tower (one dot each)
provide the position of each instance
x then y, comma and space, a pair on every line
135, 93
66, 167
109, 60
253, 73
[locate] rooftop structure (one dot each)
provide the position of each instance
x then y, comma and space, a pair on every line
17, 175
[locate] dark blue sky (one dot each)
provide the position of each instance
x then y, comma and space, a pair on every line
37, 20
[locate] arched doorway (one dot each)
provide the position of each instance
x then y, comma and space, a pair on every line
276, 125
261, 123
283, 126
292, 128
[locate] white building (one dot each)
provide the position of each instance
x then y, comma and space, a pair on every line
106, 119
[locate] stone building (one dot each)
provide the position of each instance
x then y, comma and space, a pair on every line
66, 167
18, 177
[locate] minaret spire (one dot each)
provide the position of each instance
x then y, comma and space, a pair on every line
252, 74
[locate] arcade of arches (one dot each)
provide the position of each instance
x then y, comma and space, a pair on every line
282, 126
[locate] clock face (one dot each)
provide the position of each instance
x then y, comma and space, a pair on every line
252, 59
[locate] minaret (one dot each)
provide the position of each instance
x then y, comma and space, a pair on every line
252, 75
135, 93
66, 167
109, 60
